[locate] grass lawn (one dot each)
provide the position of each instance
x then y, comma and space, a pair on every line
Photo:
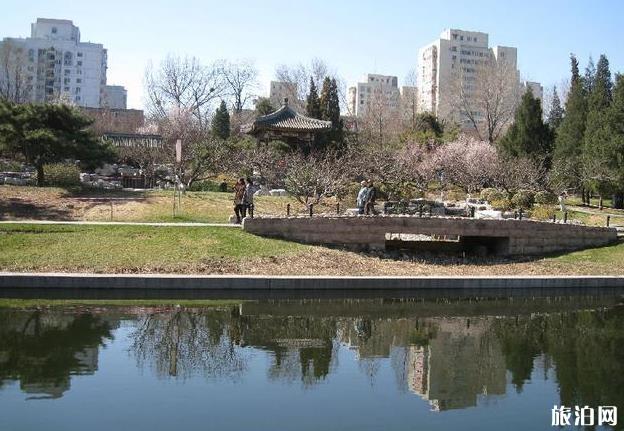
37, 203
202, 250
130, 248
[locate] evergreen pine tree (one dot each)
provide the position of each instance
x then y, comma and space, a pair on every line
330, 111
590, 73
596, 130
614, 151
529, 136
555, 116
571, 132
221, 122
264, 107
313, 104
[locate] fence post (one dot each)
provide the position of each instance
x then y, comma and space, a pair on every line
472, 212
555, 218
565, 217
608, 220
311, 209
520, 214
111, 205
288, 209
338, 208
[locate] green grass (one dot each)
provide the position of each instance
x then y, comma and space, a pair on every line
608, 257
129, 248
49, 303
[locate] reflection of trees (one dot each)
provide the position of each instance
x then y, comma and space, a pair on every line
43, 348
182, 342
587, 348
303, 347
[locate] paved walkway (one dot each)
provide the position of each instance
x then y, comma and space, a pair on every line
120, 223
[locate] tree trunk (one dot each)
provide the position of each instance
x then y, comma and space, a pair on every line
40, 176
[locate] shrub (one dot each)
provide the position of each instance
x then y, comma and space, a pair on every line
491, 194
455, 195
501, 204
543, 212
62, 175
206, 186
523, 199
545, 198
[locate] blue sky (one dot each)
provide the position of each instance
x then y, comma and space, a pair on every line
353, 37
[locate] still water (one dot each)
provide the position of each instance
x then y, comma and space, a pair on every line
341, 364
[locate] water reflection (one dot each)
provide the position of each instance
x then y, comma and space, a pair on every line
42, 349
450, 354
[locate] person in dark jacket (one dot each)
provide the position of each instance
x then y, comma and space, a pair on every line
371, 197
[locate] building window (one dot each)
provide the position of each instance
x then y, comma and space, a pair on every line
475, 39
79, 54
461, 37
77, 90
54, 30
66, 89
78, 81
77, 98
79, 63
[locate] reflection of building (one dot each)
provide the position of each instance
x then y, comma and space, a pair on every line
55, 64
462, 362
417, 364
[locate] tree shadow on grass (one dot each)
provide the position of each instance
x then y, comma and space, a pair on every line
15, 208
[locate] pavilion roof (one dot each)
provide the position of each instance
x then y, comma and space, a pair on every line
286, 119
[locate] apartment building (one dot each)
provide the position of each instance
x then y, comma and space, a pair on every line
53, 63
450, 66
373, 90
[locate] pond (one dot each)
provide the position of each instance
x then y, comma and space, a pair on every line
312, 364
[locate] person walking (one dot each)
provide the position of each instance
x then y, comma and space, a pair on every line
371, 196
562, 197
239, 200
249, 197
362, 197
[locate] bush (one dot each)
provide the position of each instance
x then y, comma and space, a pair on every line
61, 175
455, 195
545, 198
501, 204
491, 194
206, 186
543, 212
523, 199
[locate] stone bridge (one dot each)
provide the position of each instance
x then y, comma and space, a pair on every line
500, 237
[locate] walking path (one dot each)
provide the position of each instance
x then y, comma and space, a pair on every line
120, 223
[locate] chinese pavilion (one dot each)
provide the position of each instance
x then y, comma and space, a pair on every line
288, 126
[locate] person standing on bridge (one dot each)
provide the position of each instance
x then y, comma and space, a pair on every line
371, 196
362, 197
249, 197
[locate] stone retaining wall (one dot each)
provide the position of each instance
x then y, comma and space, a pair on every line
509, 237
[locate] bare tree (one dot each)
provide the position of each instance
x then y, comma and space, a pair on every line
299, 76
380, 122
203, 155
183, 84
241, 77
13, 79
310, 178
485, 97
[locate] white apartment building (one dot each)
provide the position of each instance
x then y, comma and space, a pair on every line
451, 63
373, 89
54, 64
114, 97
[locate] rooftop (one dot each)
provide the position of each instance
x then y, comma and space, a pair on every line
286, 119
